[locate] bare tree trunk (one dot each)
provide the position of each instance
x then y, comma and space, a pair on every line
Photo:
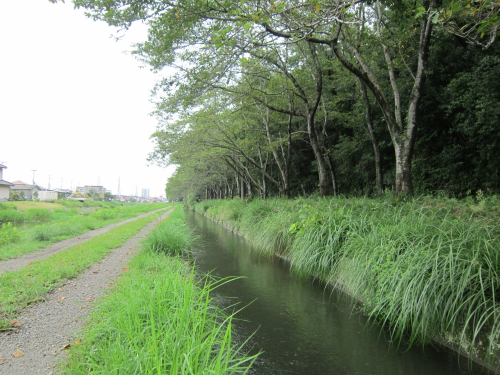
373, 137
242, 187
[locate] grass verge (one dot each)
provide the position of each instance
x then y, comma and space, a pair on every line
59, 225
159, 319
20, 288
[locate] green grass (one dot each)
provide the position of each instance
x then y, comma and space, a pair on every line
40, 227
159, 319
29, 284
172, 237
430, 268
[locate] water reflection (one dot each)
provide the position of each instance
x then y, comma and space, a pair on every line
301, 327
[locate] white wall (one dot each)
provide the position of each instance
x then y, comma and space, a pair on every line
47, 195
4, 192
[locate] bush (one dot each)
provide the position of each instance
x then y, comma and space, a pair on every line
11, 216
38, 215
7, 206
104, 214
9, 234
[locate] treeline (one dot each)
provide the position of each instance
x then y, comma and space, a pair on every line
335, 97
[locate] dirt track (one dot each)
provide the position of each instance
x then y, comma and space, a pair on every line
47, 328
17, 263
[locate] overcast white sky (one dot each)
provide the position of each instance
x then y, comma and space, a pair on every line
73, 105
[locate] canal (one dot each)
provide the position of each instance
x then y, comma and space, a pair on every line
301, 327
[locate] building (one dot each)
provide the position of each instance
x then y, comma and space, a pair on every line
85, 189
145, 193
26, 189
4, 185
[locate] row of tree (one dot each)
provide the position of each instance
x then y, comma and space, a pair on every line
338, 97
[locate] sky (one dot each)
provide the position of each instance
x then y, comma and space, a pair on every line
73, 104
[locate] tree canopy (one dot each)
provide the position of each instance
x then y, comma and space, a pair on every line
334, 97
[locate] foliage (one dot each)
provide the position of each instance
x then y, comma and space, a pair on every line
38, 215
171, 237
270, 97
8, 234
104, 214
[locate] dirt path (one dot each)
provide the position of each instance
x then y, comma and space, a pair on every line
17, 263
48, 327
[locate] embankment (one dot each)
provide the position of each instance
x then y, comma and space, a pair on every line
428, 268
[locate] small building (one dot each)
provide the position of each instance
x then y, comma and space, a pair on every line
48, 195
4, 185
26, 189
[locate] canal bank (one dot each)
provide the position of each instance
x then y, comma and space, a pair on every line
284, 227
301, 327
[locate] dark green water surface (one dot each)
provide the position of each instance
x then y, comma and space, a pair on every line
301, 327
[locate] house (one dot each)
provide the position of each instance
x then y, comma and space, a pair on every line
4, 185
26, 189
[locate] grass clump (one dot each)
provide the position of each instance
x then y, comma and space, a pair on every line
159, 320
8, 234
171, 237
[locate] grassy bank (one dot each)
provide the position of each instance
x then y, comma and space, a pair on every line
159, 319
29, 284
427, 267
28, 229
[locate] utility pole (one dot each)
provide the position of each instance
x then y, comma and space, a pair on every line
118, 194
62, 179
33, 170
49, 182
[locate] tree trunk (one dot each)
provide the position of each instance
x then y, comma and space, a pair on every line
242, 187
373, 138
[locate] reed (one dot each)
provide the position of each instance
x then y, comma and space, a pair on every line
428, 268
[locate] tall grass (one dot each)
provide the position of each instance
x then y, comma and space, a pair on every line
429, 269
171, 237
160, 320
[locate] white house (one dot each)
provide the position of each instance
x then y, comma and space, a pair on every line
4, 185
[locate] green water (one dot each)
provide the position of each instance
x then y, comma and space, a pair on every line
301, 327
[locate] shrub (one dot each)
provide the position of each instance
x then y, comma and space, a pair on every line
38, 215
7, 206
11, 216
9, 234
104, 214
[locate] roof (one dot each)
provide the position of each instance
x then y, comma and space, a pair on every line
19, 183
3, 182
26, 187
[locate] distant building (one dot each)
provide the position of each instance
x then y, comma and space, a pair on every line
27, 190
85, 189
145, 193
4, 185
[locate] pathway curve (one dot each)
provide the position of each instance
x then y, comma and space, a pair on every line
48, 327
17, 263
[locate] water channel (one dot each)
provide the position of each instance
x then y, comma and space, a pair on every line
301, 327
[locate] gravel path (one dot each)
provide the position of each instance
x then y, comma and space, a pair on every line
47, 328
17, 263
